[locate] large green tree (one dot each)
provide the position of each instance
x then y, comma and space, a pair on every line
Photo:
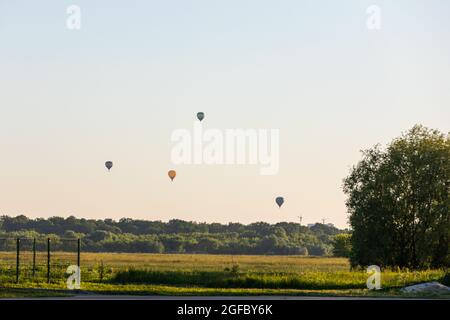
398, 200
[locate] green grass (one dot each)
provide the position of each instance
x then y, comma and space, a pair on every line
179, 274
29, 293
35, 290
310, 280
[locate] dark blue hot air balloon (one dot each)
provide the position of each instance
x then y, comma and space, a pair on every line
108, 165
279, 201
200, 116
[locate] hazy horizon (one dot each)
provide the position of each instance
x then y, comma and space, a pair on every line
165, 221
136, 71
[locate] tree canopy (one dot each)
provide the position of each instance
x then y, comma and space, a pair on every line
398, 200
174, 236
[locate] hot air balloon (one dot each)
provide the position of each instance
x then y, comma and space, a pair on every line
200, 116
108, 165
279, 201
172, 174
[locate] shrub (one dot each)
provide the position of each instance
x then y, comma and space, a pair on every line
446, 279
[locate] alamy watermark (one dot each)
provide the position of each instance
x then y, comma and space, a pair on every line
73, 21
74, 279
229, 146
373, 21
374, 280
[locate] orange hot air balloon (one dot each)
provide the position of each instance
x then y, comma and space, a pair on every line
172, 174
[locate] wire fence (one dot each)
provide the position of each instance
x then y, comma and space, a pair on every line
37, 259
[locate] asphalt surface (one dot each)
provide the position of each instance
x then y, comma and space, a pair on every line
207, 298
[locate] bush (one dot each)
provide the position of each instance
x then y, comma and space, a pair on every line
342, 245
446, 279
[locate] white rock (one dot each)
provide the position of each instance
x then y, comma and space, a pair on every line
428, 287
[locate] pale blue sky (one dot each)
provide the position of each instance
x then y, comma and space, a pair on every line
137, 70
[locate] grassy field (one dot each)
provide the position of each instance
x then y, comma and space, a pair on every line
180, 274
174, 262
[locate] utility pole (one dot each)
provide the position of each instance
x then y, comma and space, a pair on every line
300, 218
324, 220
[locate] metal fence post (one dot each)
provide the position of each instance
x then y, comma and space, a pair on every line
78, 252
17, 259
34, 257
48, 260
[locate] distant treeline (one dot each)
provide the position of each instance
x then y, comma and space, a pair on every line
176, 236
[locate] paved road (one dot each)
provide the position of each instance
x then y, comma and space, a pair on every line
124, 297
